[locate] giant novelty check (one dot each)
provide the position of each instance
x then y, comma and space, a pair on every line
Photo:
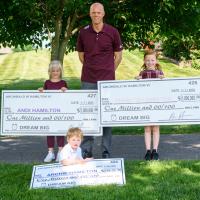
149, 102
49, 113
95, 172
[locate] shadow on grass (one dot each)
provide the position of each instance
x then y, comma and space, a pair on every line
164, 180
169, 129
169, 180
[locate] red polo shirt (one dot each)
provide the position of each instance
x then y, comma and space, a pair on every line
98, 51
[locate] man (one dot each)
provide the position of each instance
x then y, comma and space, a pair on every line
100, 51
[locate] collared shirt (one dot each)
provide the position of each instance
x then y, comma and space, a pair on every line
68, 153
150, 73
98, 51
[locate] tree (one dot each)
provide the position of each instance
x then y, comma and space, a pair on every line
29, 22
174, 22
181, 28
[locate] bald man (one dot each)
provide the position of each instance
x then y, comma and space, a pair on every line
99, 49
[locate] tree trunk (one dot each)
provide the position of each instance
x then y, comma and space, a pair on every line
55, 44
59, 44
62, 51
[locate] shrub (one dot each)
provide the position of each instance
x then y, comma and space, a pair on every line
195, 55
177, 49
24, 48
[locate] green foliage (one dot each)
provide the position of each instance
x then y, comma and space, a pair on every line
177, 48
20, 22
139, 22
195, 55
179, 26
25, 48
196, 64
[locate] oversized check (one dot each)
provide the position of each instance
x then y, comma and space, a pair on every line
95, 172
149, 102
29, 112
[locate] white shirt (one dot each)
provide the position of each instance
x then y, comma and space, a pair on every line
68, 153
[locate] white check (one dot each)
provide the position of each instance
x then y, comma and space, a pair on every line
29, 112
149, 102
95, 172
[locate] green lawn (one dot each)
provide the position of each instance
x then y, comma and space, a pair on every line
166, 180
28, 70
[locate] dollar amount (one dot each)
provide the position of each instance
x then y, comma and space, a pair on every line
189, 97
87, 109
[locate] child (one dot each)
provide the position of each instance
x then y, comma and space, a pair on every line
71, 153
151, 69
54, 83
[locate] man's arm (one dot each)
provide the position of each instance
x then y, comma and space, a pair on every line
117, 58
81, 56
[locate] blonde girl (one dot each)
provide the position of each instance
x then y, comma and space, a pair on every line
54, 82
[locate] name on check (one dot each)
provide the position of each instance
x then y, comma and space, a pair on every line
49, 113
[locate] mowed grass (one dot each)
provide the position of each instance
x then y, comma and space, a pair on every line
28, 70
166, 180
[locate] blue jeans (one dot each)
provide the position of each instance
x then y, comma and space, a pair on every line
88, 141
